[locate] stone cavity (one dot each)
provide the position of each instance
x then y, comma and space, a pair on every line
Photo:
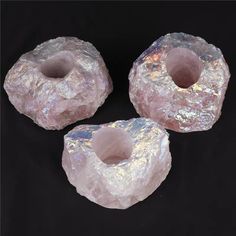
184, 67
112, 145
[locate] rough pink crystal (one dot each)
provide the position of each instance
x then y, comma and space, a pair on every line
180, 81
117, 164
61, 81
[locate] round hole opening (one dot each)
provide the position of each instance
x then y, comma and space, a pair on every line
58, 66
184, 67
112, 145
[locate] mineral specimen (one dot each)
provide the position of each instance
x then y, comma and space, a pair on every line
180, 82
61, 81
117, 164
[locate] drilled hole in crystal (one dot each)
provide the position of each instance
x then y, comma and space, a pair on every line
112, 145
184, 67
58, 66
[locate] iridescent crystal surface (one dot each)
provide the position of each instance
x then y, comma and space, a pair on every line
180, 81
61, 81
117, 164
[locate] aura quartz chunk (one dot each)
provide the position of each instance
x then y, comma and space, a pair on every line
117, 164
60, 82
180, 81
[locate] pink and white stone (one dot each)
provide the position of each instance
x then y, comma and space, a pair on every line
180, 81
117, 164
60, 82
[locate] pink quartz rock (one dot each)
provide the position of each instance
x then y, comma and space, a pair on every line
117, 164
180, 81
60, 82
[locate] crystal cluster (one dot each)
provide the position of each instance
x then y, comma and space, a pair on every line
117, 164
180, 81
61, 81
